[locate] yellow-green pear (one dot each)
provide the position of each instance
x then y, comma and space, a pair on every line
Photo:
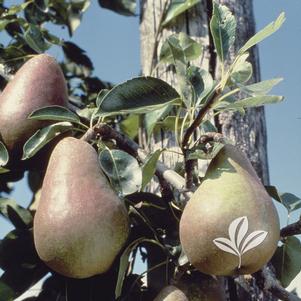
230, 225
171, 293
80, 224
38, 83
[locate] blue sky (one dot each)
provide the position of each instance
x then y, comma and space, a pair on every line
112, 42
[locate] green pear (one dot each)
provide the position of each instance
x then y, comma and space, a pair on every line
230, 225
171, 293
38, 83
80, 224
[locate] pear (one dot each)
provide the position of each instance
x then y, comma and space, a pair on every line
80, 224
171, 293
38, 83
230, 225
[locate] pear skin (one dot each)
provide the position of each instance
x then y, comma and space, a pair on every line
171, 293
230, 225
80, 224
38, 83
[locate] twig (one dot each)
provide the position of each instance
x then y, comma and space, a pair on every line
190, 164
201, 114
189, 169
292, 229
267, 281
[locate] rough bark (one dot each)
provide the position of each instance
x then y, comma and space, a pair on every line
249, 131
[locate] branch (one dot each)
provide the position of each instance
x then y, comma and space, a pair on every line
190, 164
267, 281
106, 132
292, 229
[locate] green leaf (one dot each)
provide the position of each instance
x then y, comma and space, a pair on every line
138, 95
42, 137
250, 102
17, 249
149, 167
15, 9
168, 124
130, 126
201, 81
180, 63
208, 126
35, 40
3, 170
6, 292
263, 34
261, 88
56, 113
123, 265
4, 157
242, 70
51, 38
86, 113
123, 7
190, 48
287, 260
223, 29
151, 119
74, 14
122, 169
4, 23
19, 216
290, 201
124, 262
176, 8
77, 58
273, 192
20, 280
101, 96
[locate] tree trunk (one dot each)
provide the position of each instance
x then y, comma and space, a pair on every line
249, 131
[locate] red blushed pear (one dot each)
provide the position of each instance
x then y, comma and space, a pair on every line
38, 83
230, 225
80, 224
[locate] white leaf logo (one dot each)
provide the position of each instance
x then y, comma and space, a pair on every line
239, 242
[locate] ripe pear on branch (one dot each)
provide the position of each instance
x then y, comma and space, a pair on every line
230, 225
38, 83
80, 224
